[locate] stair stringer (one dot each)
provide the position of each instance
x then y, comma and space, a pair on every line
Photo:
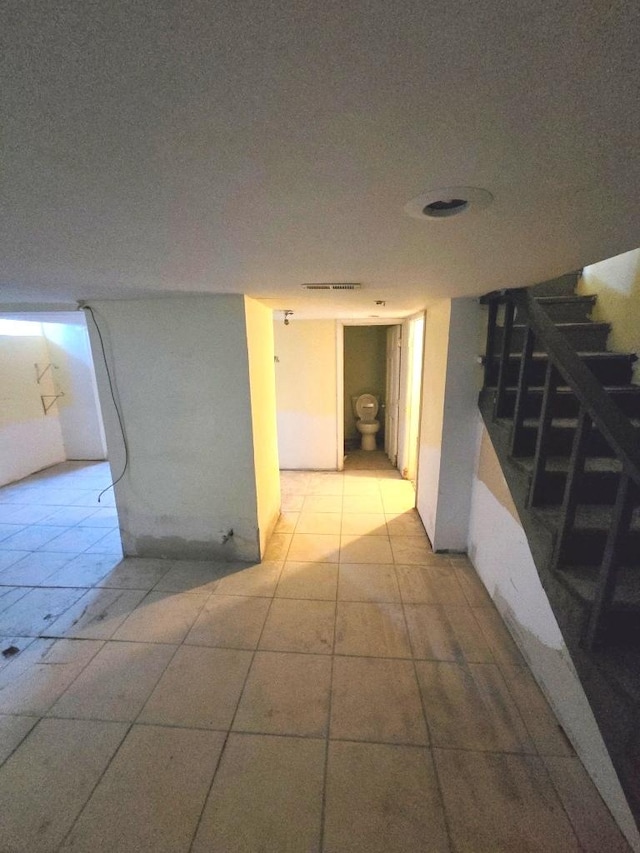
614, 704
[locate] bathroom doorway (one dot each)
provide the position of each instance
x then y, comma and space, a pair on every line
383, 359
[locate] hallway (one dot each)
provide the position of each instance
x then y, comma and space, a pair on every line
353, 692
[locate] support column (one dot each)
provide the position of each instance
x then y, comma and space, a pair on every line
201, 479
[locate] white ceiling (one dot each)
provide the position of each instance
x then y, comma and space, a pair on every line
248, 146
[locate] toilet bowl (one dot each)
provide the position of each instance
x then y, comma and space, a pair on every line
366, 409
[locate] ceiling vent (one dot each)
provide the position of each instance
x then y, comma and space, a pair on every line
330, 286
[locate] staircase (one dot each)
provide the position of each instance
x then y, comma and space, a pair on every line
564, 418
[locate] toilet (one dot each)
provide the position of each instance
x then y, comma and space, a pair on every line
366, 408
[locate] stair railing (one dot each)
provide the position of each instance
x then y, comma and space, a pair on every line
595, 410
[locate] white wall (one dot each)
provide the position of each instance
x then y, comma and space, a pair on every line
500, 552
29, 439
262, 384
449, 405
616, 283
306, 392
80, 419
181, 374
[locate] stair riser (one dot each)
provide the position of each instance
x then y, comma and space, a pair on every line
586, 548
560, 443
564, 285
610, 372
567, 312
590, 338
598, 487
567, 406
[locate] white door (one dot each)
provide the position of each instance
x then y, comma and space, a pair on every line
394, 343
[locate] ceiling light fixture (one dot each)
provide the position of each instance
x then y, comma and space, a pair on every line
446, 202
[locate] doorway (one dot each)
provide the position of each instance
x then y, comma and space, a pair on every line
383, 359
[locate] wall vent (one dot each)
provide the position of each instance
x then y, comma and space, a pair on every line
331, 286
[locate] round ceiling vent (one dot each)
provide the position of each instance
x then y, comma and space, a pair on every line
447, 202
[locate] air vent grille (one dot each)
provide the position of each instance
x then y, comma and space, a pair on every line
332, 286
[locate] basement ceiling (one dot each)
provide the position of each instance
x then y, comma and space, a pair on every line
248, 147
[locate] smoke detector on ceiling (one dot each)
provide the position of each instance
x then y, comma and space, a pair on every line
446, 202
345, 285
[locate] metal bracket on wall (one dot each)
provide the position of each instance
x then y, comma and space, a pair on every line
52, 397
41, 373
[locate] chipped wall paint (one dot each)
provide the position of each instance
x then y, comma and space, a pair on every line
499, 550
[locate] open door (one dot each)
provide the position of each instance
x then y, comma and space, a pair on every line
394, 343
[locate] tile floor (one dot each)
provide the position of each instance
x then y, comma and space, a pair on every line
354, 692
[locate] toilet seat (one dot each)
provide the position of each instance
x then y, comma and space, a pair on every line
367, 407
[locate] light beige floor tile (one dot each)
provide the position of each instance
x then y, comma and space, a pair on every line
363, 504
322, 503
411, 550
538, 717
474, 590
407, 523
373, 630
48, 779
260, 579
368, 582
200, 688
382, 798
42, 673
116, 683
319, 522
393, 505
364, 524
361, 486
287, 522
469, 707
84, 570
9, 645
286, 694
591, 819
431, 584
150, 798
291, 502
326, 484
230, 621
376, 699
98, 614
498, 803
277, 546
136, 573
13, 730
498, 637
315, 547
162, 617
32, 614
365, 549
190, 577
447, 632
299, 626
267, 795
8, 596
308, 580
33, 569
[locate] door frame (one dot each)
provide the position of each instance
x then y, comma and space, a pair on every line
340, 324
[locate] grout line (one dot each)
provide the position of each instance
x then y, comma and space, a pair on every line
235, 713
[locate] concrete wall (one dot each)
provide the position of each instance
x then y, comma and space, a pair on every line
500, 552
181, 376
365, 369
79, 411
29, 439
449, 405
306, 392
263, 417
616, 282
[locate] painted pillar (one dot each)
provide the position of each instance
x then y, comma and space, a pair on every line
447, 432
196, 471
